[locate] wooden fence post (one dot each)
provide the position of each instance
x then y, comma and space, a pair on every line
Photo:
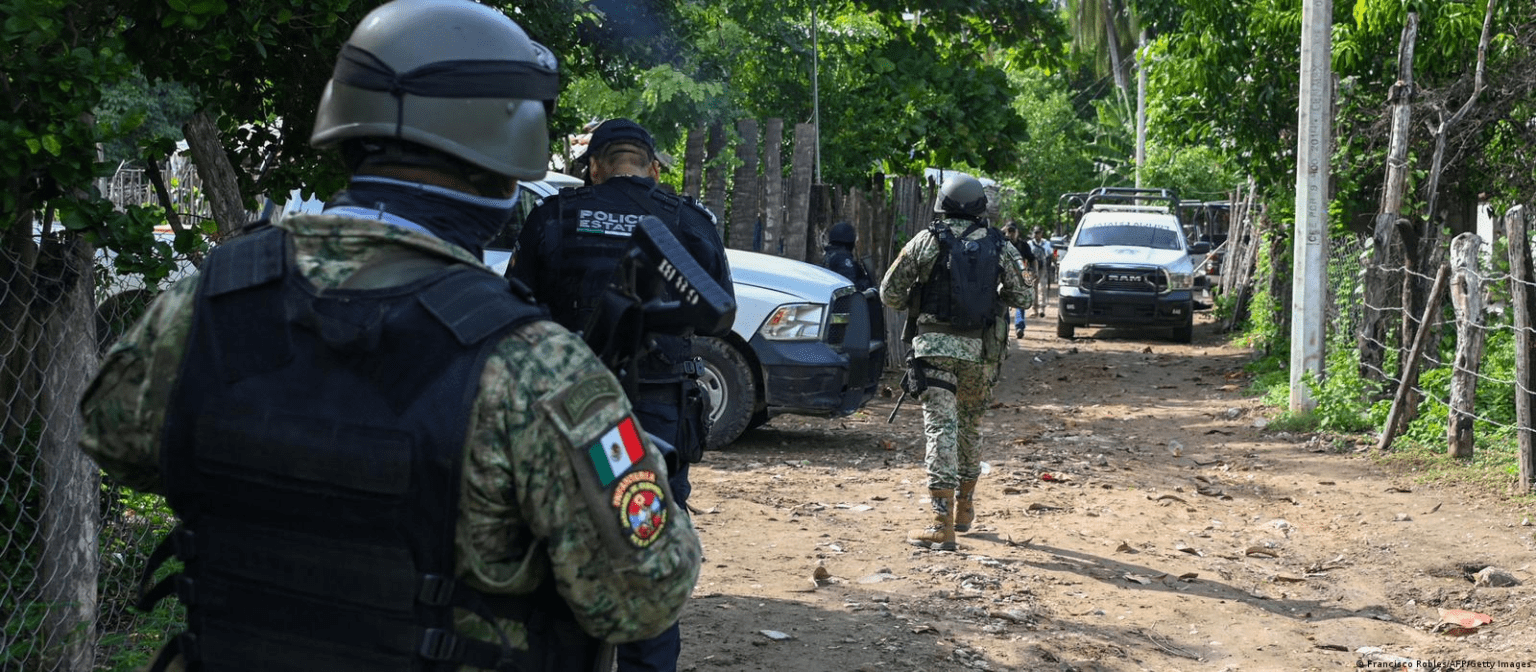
773, 186
1521, 279
802, 168
693, 162
744, 188
1410, 365
714, 175
1467, 297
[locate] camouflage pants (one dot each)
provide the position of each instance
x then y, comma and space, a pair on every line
951, 421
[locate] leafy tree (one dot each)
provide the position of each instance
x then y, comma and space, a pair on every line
900, 90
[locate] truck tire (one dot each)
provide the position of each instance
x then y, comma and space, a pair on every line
1064, 330
727, 382
1186, 333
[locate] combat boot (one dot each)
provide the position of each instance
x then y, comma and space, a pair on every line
942, 531
965, 507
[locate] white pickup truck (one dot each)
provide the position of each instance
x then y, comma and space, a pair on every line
804, 342
1127, 263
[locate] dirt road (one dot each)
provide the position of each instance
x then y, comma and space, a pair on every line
1175, 533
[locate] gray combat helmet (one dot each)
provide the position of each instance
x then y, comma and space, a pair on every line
961, 195
453, 75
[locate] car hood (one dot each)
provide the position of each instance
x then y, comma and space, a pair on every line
1124, 254
807, 282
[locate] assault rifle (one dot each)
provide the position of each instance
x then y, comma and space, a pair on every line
657, 288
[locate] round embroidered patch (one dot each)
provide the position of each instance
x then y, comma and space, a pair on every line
641, 505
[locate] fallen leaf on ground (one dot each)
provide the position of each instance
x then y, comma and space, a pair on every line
1124, 548
1260, 551
1137, 578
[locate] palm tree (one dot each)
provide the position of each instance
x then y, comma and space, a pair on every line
1106, 31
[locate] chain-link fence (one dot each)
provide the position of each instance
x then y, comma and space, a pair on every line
71, 545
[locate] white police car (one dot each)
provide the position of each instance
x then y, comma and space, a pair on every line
1129, 264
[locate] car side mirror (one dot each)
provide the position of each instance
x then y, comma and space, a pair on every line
1058, 241
1201, 247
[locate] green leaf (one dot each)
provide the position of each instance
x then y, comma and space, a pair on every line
52, 144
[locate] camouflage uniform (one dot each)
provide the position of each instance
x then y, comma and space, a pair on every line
543, 397
950, 420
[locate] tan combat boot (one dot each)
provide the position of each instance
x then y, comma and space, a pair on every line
942, 531
965, 507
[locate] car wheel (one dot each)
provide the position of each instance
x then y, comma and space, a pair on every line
1064, 330
727, 381
1185, 333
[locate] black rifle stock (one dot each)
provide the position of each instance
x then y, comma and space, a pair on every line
913, 380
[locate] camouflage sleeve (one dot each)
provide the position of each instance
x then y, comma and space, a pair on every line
911, 265
526, 264
556, 459
1014, 291
124, 408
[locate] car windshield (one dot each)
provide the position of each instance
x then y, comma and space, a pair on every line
1135, 235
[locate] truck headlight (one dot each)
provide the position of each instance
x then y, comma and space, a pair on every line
794, 322
1179, 281
1069, 277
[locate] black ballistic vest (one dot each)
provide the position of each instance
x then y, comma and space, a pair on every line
583, 248
313, 454
961, 289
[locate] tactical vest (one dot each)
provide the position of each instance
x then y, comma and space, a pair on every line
584, 247
586, 243
961, 289
314, 457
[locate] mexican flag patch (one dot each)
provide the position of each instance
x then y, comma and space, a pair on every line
616, 451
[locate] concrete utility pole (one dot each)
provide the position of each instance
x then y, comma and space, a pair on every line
1313, 146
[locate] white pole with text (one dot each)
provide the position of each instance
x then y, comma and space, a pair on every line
1313, 147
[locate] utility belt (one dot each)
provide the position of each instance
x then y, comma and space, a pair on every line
942, 328
676, 386
655, 371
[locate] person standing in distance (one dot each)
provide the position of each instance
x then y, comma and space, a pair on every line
567, 253
381, 454
954, 274
1026, 254
838, 256
1040, 247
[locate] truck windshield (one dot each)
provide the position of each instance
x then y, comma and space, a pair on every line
1154, 237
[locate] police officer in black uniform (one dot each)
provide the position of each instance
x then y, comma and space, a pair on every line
839, 257
567, 253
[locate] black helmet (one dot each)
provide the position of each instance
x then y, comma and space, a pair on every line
842, 233
453, 75
961, 195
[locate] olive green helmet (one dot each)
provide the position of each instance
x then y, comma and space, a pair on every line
961, 195
453, 75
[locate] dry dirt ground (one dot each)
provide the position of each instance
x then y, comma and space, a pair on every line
1136, 514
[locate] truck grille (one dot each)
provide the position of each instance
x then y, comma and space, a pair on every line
837, 321
1122, 279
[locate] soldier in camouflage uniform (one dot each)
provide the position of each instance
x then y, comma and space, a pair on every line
382, 455
955, 274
